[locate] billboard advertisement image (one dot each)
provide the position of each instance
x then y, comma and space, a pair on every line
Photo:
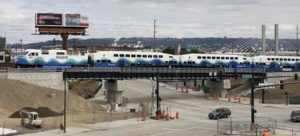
73, 20
49, 19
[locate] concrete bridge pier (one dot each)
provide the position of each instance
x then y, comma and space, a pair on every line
217, 87
114, 96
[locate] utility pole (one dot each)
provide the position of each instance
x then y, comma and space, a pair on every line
154, 28
297, 45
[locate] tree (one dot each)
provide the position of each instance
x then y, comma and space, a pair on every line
194, 50
169, 50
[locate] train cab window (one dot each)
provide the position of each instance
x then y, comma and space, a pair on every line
60, 53
121, 55
227, 58
231, 58
218, 57
144, 56
160, 56
116, 55
268, 59
203, 57
213, 57
128, 55
208, 57
149, 56
289, 59
132, 55
154, 56
138, 56
222, 58
235, 58
170, 56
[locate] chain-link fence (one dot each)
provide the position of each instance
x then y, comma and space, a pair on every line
230, 127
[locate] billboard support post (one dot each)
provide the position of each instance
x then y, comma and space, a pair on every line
65, 40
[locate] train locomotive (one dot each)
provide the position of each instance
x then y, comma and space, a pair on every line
63, 58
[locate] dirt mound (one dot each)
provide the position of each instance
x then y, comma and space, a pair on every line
16, 94
43, 112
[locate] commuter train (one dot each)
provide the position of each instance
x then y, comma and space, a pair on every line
63, 58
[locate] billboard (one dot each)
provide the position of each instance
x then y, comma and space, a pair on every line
49, 19
61, 20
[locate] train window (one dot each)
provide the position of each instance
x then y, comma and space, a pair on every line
208, 57
132, 55
1, 58
203, 57
236, 58
31, 54
227, 58
108, 61
116, 55
297, 59
45, 52
277, 59
36, 54
272, 59
213, 57
121, 55
199, 57
222, 58
280, 59
98, 61
218, 57
138, 56
60, 53
149, 56
82, 53
284, 59
154, 56
103, 61
289, 59
268, 59
160, 56
127, 55
293, 59
144, 56
166, 62
184, 62
170, 56
231, 58
244, 59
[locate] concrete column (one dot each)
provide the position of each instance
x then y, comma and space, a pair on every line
216, 87
114, 96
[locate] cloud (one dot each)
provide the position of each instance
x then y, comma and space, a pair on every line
176, 18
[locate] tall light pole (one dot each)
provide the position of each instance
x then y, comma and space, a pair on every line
21, 45
154, 28
297, 45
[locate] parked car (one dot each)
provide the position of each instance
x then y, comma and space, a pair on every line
219, 113
295, 116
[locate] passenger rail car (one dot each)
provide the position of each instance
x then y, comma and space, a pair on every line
63, 58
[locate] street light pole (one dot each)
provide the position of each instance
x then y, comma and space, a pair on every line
252, 101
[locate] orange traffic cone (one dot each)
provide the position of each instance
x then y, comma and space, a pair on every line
167, 116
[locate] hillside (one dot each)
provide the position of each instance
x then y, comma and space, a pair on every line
16, 95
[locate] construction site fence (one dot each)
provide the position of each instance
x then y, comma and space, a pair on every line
230, 127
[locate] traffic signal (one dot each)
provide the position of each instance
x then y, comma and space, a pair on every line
281, 84
296, 76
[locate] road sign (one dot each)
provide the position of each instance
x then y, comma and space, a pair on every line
268, 85
247, 76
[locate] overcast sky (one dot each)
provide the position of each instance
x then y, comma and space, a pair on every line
175, 18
